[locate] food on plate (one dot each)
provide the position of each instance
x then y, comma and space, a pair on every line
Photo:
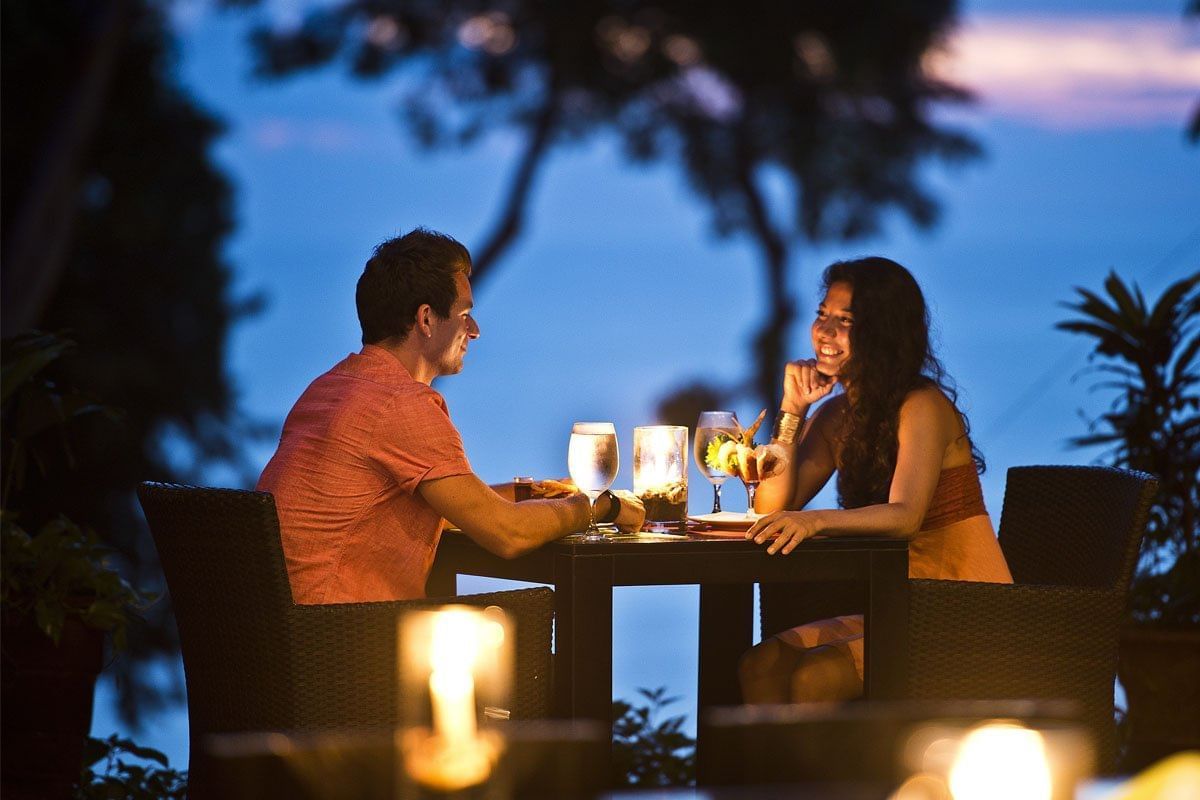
740, 457
552, 488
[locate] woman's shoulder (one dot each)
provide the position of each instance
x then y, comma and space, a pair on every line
929, 397
928, 401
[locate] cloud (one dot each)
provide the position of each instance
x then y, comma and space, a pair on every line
317, 135
1074, 71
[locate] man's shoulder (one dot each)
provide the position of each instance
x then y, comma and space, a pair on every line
359, 373
349, 390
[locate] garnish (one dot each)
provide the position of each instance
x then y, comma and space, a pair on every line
740, 458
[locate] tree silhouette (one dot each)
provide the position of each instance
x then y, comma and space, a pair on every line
1147, 353
111, 176
834, 97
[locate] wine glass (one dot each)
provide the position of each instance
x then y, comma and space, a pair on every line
709, 426
592, 460
751, 488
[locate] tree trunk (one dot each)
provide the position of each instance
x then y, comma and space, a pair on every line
512, 219
771, 341
37, 244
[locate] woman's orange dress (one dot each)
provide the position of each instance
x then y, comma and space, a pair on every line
956, 542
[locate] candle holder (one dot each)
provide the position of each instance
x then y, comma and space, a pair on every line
660, 474
1039, 760
455, 667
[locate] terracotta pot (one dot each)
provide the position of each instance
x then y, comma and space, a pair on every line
47, 700
1160, 671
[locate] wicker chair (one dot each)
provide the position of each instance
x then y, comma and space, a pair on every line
1071, 537
255, 661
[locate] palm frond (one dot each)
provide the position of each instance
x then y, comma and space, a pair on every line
1109, 343
1134, 309
1173, 302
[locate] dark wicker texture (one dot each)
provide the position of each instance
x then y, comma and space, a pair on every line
1071, 537
255, 661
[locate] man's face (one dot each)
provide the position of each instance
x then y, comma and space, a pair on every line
448, 343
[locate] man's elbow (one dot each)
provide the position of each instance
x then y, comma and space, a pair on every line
510, 549
513, 542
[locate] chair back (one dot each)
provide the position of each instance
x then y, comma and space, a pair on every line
255, 661
1074, 526
222, 557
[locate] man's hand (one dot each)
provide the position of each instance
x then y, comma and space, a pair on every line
549, 488
632, 513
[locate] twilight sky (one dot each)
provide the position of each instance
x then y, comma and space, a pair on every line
605, 304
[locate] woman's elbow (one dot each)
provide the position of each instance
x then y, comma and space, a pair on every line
909, 524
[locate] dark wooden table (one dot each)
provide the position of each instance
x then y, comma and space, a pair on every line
583, 575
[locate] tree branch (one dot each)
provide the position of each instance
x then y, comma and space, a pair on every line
770, 341
512, 220
37, 244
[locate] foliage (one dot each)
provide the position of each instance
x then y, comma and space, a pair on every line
144, 289
122, 779
647, 752
789, 120
61, 570
39, 412
1149, 354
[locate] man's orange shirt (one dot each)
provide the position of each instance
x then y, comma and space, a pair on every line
354, 448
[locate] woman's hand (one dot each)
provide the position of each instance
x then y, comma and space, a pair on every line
803, 386
789, 528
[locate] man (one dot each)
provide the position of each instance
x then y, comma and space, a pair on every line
369, 463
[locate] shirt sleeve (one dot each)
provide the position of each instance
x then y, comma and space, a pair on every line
416, 441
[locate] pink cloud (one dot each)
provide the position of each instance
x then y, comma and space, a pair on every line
1073, 71
324, 135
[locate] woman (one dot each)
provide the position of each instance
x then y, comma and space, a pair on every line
906, 467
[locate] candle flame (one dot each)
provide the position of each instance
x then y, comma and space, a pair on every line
1001, 760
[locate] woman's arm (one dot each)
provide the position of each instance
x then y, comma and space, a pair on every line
927, 427
810, 466
812, 460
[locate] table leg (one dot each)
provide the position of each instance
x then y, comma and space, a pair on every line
885, 661
443, 579
726, 632
583, 588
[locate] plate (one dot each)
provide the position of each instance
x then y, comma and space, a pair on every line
727, 520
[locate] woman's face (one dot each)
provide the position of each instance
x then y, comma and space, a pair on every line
831, 329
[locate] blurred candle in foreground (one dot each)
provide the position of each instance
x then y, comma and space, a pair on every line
1001, 761
453, 661
451, 687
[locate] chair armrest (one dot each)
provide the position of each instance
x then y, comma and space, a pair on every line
992, 640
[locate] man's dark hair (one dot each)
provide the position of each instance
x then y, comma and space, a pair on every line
403, 274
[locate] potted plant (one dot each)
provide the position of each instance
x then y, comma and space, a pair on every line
1149, 353
58, 595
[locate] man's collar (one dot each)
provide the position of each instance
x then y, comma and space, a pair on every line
385, 356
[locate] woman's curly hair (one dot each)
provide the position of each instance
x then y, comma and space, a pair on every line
890, 356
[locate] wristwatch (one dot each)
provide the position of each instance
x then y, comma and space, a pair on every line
614, 508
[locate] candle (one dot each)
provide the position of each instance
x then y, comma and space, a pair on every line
660, 471
1001, 760
452, 656
459, 659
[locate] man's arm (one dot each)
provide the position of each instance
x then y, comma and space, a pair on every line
509, 529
